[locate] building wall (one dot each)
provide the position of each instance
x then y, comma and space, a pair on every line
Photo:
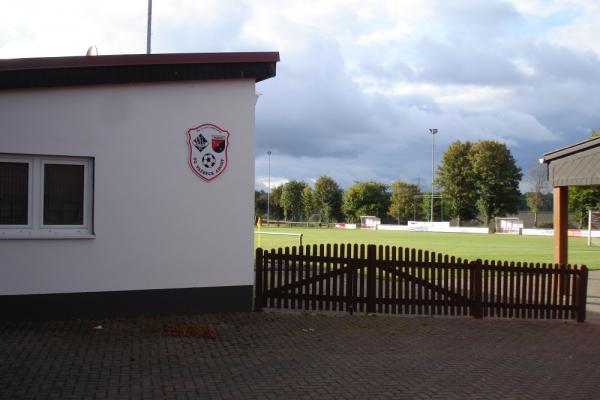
156, 224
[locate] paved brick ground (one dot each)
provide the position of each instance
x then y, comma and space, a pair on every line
295, 356
593, 298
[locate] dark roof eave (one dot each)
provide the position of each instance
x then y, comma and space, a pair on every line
570, 150
135, 68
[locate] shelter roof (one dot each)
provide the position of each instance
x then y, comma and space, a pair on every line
575, 165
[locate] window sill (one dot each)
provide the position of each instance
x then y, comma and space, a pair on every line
44, 236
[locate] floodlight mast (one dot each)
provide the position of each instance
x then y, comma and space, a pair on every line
149, 29
433, 132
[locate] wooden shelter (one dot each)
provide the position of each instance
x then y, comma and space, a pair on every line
576, 165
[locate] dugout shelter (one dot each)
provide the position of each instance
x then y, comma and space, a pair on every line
575, 165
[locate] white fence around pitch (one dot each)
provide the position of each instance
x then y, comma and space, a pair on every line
345, 226
443, 227
300, 235
537, 232
550, 232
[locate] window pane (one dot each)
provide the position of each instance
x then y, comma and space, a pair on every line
63, 194
14, 185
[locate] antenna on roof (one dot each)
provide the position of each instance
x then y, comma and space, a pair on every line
149, 31
92, 51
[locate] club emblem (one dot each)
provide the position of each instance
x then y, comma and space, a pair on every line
206, 161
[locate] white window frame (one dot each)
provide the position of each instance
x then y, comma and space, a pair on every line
35, 229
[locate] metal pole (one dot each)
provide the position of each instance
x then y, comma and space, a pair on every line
589, 241
149, 31
432, 173
269, 191
433, 132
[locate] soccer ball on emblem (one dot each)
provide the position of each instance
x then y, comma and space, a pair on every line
209, 160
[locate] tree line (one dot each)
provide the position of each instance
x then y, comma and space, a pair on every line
475, 181
297, 201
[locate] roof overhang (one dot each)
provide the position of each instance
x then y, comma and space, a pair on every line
575, 165
571, 150
135, 68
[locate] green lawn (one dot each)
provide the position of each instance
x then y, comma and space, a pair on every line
470, 246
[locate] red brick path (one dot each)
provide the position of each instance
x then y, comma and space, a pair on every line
294, 356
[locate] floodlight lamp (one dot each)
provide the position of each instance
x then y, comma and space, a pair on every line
433, 131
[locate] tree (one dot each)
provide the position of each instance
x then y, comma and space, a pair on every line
456, 178
260, 203
403, 201
308, 203
291, 200
595, 133
276, 212
365, 198
497, 178
538, 178
582, 198
328, 199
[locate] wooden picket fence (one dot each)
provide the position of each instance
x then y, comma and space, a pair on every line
396, 280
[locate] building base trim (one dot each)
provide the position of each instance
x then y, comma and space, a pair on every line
128, 303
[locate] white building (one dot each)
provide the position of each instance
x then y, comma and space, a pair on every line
127, 184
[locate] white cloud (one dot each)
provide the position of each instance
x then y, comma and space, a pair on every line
541, 8
69, 27
262, 182
570, 23
524, 66
472, 97
360, 82
582, 34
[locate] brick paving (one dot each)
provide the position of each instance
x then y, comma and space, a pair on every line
299, 356
593, 298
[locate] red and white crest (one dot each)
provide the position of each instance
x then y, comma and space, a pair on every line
208, 146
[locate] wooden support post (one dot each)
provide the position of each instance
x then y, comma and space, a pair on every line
561, 224
582, 281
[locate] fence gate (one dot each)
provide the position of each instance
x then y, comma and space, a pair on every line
396, 280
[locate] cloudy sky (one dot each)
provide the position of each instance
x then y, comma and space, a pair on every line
360, 82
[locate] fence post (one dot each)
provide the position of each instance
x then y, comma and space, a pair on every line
476, 289
371, 277
582, 293
562, 279
350, 273
258, 281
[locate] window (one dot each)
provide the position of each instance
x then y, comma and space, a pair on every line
45, 196
14, 193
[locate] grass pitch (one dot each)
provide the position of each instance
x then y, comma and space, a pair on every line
469, 246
